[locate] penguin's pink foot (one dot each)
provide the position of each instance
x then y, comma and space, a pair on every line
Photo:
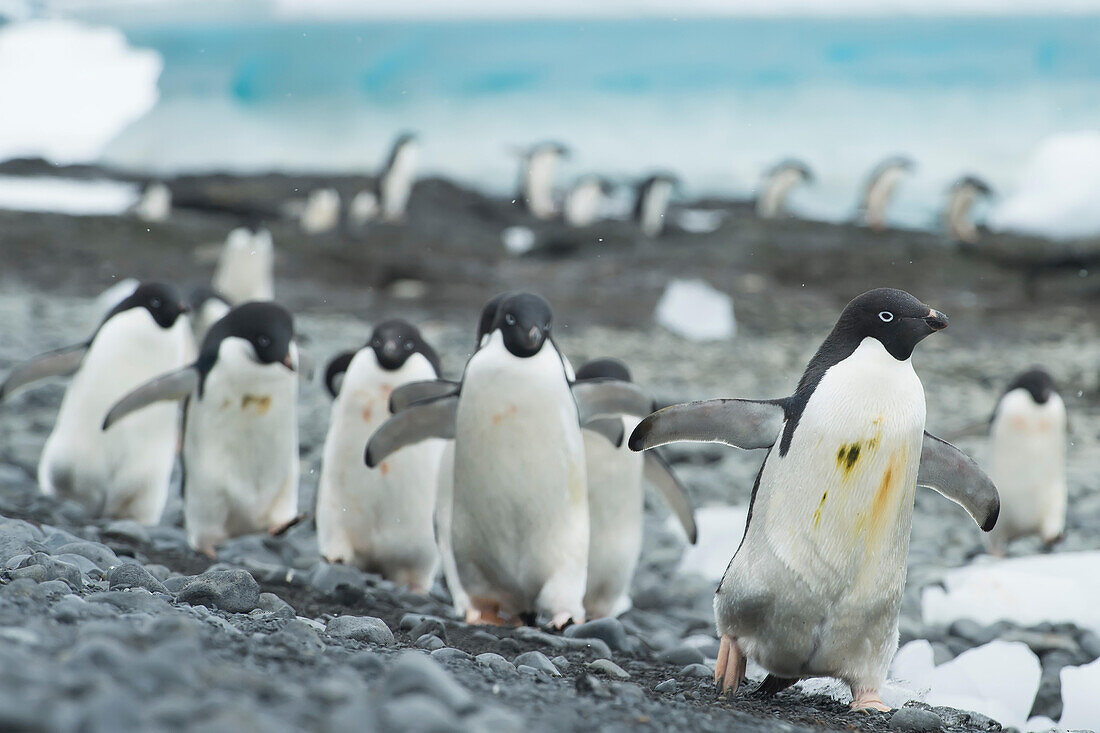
730, 669
279, 529
560, 620
868, 701
486, 616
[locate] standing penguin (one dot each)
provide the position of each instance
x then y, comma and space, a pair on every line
519, 525
815, 587
771, 202
961, 198
246, 266
582, 203
1028, 437
539, 165
240, 443
616, 500
123, 475
396, 180
379, 519
880, 188
651, 205
207, 307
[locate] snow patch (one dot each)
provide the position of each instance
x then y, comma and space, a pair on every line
998, 679
518, 240
66, 195
1057, 588
1059, 191
67, 88
696, 311
720, 530
1080, 703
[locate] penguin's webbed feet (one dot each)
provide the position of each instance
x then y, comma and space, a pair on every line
730, 669
868, 701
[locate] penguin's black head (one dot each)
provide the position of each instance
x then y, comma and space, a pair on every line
488, 315
524, 320
268, 327
604, 369
1037, 381
893, 317
161, 300
395, 341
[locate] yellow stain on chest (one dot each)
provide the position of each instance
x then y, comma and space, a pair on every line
260, 403
499, 417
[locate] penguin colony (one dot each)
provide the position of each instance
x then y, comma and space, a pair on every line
522, 482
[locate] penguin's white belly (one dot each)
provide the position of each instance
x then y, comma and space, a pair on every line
241, 454
615, 502
1029, 467
520, 508
397, 184
816, 586
122, 472
379, 519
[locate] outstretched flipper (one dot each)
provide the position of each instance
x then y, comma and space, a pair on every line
609, 427
741, 423
610, 398
409, 394
659, 473
946, 469
435, 419
176, 385
59, 363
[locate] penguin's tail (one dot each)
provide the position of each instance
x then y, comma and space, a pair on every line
773, 685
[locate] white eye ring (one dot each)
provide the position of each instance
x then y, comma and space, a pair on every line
510, 319
886, 316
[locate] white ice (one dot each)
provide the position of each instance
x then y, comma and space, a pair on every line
1058, 193
66, 195
998, 679
696, 311
1061, 587
66, 88
1081, 697
720, 530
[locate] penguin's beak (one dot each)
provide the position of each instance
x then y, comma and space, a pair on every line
936, 321
534, 337
288, 362
390, 349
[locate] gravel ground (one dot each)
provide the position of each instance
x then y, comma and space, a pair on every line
111, 626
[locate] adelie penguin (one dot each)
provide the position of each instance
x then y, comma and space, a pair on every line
1027, 436
519, 525
879, 190
124, 474
240, 443
815, 588
538, 168
651, 204
246, 267
771, 201
616, 498
379, 519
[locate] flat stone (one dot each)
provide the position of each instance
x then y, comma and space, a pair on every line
608, 630
431, 642
271, 603
429, 625
539, 661
417, 674
133, 575
666, 687
697, 670
609, 668
418, 713
126, 530
360, 628
915, 720
299, 638
234, 591
131, 601
495, 662
101, 555
450, 654
681, 655
53, 570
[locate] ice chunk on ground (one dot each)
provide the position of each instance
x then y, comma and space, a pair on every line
720, 530
696, 311
1080, 698
66, 195
1059, 191
998, 679
518, 240
700, 221
68, 89
1058, 588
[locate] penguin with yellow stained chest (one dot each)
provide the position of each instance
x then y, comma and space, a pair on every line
815, 588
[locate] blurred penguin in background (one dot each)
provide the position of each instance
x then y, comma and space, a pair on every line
651, 204
880, 188
379, 519
124, 474
964, 193
321, 211
207, 307
538, 168
396, 180
583, 202
155, 204
1028, 446
771, 201
246, 267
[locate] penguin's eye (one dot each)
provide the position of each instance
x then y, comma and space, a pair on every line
155, 302
408, 346
886, 316
510, 319
263, 341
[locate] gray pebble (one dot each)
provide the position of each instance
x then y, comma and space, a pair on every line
327, 578
417, 713
681, 655
415, 673
299, 638
428, 625
234, 591
697, 670
133, 575
271, 603
360, 628
973, 632
366, 661
560, 662
609, 668
915, 720
539, 661
608, 630
595, 647
450, 654
666, 687
1089, 642
495, 662
53, 569
431, 642
126, 530
101, 555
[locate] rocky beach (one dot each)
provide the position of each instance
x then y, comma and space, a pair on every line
110, 626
